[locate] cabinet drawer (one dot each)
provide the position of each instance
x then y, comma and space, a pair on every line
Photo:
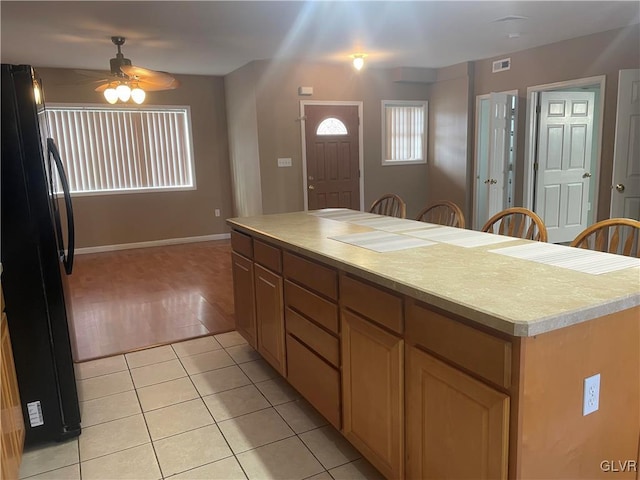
319, 278
375, 303
312, 306
242, 243
324, 344
316, 380
478, 352
268, 256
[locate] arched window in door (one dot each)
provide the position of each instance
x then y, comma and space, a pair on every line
331, 126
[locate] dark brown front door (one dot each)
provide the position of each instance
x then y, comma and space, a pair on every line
332, 156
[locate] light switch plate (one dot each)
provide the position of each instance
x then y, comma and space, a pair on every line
284, 162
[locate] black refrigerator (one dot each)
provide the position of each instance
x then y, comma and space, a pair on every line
36, 251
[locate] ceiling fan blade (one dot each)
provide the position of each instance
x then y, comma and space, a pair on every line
151, 76
148, 86
101, 88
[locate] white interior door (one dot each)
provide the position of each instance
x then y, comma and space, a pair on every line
625, 193
499, 146
564, 162
493, 158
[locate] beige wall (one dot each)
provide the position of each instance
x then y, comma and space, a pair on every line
449, 133
279, 133
599, 54
140, 217
242, 121
263, 109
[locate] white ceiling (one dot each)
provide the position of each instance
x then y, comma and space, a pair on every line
216, 37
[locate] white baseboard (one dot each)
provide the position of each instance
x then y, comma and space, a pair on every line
152, 243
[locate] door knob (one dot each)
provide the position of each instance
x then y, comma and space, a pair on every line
311, 187
586, 175
620, 187
493, 181
486, 182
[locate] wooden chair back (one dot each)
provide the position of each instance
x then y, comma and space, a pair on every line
443, 212
615, 235
517, 222
389, 204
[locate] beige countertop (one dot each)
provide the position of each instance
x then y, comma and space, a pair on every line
515, 296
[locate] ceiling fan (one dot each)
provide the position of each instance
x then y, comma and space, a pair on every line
127, 81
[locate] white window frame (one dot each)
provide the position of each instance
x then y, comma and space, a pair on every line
123, 191
404, 103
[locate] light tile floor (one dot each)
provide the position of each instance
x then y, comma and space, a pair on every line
204, 409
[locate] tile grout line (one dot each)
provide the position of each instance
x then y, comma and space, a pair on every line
201, 397
295, 434
144, 418
216, 424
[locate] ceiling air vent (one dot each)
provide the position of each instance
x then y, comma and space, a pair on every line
501, 65
510, 18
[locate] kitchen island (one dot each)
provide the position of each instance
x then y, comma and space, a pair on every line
439, 360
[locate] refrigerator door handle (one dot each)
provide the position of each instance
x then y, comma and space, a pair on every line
68, 260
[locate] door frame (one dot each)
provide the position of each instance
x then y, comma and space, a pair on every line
358, 104
476, 152
531, 136
616, 140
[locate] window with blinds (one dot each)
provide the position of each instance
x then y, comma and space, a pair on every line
121, 150
404, 132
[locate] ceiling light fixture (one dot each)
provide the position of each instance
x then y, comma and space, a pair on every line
358, 60
138, 95
123, 91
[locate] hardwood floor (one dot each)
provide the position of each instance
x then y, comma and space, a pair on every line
132, 299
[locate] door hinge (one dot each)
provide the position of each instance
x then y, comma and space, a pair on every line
538, 109
535, 167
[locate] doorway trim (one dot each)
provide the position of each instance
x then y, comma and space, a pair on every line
530, 140
358, 104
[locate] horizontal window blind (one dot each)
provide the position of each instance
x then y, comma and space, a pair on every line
404, 132
121, 149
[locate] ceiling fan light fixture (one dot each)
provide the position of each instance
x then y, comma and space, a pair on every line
124, 92
111, 95
126, 82
138, 95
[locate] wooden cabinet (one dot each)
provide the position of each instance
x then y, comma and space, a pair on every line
340, 341
11, 421
244, 298
457, 427
373, 393
258, 297
270, 317
313, 343
315, 379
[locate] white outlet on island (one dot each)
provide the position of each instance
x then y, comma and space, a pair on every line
591, 398
284, 162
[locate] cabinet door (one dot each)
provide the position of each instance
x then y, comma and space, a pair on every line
244, 298
270, 317
12, 423
457, 427
373, 393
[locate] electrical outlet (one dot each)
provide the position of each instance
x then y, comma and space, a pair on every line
217, 212
591, 399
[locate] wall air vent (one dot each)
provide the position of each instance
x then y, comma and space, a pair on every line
501, 65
